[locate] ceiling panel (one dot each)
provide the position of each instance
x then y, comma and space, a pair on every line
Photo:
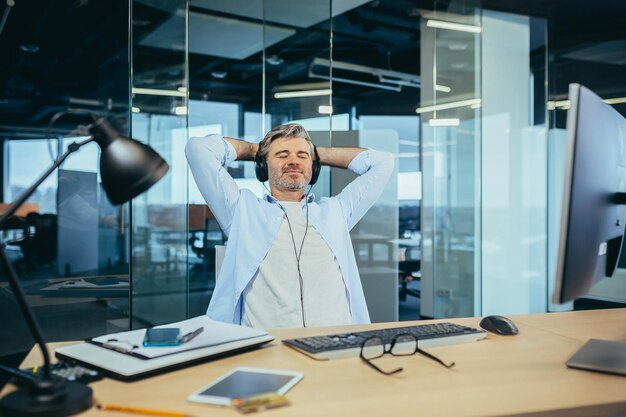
297, 13
613, 52
216, 36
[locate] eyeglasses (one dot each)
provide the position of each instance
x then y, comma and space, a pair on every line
402, 345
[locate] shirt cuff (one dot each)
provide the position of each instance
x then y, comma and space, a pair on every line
226, 153
231, 153
361, 163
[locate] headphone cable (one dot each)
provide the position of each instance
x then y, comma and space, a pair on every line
297, 253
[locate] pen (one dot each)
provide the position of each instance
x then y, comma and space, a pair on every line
117, 348
186, 338
141, 410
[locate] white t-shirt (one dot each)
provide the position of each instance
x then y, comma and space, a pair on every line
272, 299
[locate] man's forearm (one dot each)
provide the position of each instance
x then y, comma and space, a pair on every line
246, 151
338, 157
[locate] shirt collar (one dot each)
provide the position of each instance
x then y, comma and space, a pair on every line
270, 198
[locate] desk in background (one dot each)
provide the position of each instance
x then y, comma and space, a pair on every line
523, 375
364, 245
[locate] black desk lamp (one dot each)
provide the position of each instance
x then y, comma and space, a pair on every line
127, 168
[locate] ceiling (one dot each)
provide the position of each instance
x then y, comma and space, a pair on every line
74, 53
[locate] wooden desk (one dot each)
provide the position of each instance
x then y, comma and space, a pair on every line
523, 375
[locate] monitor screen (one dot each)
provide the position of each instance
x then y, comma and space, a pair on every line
593, 216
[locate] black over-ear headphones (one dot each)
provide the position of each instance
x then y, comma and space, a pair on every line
260, 167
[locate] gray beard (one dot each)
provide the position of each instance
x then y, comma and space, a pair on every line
291, 185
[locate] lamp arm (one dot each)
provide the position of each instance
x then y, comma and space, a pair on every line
12, 275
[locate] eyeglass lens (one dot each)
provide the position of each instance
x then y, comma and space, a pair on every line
373, 348
402, 345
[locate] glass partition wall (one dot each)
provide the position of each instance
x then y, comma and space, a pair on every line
465, 206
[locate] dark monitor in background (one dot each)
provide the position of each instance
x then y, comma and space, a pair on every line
594, 213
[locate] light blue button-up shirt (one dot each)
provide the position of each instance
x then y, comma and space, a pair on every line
251, 223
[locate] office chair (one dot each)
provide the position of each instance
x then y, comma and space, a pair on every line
38, 238
44, 237
405, 269
18, 227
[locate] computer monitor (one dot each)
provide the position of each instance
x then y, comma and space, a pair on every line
593, 214
593, 217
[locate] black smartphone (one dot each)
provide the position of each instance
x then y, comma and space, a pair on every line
164, 336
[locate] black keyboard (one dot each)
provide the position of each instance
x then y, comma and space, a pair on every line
345, 345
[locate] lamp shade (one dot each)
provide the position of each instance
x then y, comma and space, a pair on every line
127, 166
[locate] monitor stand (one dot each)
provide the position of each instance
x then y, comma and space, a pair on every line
606, 356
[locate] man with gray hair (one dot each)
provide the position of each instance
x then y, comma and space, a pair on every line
289, 260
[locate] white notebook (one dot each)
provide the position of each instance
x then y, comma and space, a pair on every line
214, 333
218, 339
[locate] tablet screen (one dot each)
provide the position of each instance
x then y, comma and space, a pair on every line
246, 384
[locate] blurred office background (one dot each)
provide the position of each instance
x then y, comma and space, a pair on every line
470, 96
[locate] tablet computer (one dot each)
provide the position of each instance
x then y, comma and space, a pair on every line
244, 382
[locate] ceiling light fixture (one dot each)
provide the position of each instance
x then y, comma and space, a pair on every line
451, 105
302, 86
565, 104
559, 104
441, 24
157, 92
303, 93
457, 46
325, 109
444, 122
615, 100
396, 88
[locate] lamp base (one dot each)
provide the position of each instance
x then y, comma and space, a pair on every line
73, 398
